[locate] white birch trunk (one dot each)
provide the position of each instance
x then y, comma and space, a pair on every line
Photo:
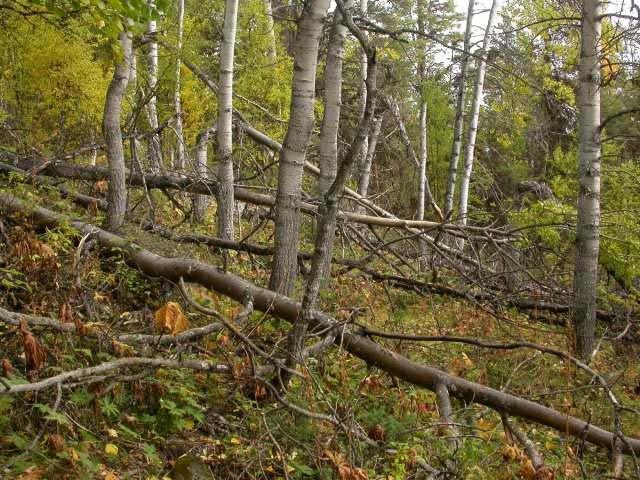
587, 232
225, 123
475, 115
117, 190
292, 155
201, 202
332, 103
459, 119
177, 102
268, 11
155, 150
422, 159
362, 155
365, 171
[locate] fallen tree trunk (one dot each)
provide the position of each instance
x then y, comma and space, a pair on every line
174, 269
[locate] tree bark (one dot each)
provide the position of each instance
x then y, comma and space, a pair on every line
475, 115
181, 156
332, 104
117, 190
458, 126
364, 176
264, 300
422, 171
268, 11
587, 230
362, 154
292, 155
201, 202
155, 150
225, 123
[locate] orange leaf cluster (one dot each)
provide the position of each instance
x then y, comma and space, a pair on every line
32, 254
7, 368
345, 471
170, 319
34, 352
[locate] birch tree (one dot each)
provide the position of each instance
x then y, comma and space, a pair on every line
459, 119
155, 150
364, 175
475, 114
362, 155
268, 11
201, 202
177, 102
332, 103
589, 156
292, 155
225, 123
117, 190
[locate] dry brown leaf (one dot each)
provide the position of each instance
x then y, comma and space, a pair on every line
32, 473
35, 354
56, 442
377, 433
511, 452
346, 472
66, 314
170, 319
122, 349
7, 368
544, 473
111, 476
101, 186
527, 472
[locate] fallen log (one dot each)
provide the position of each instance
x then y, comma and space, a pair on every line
267, 301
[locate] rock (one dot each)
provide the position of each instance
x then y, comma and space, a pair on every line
191, 467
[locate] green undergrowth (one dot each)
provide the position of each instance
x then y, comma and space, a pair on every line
138, 423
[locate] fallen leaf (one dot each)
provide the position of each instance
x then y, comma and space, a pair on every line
170, 319
111, 449
377, 433
35, 355
111, 476
32, 473
7, 368
346, 472
56, 442
122, 349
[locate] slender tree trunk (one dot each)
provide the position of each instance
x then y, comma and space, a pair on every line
362, 155
475, 115
177, 102
268, 10
225, 123
365, 170
422, 159
292, 155
201, 202
587, 232
332, 103
117, 191
155, 150
458, 125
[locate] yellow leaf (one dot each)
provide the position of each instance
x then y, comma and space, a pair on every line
111, 476
170, 319
111, 449
112, 432
234, 441
486, 428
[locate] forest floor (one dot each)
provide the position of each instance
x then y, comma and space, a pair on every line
139, 423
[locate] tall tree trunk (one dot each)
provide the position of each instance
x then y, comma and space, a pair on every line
364, 175
475, 115
292, 155
177, 102
458, 125
362, 154
155, 150
422, 159
332, 103
225, 123
268, 11
325, 236
117, 190
201, 202
587, 232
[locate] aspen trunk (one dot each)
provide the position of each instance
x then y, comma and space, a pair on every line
292, 155
587, 232
225, 123
365, 170
475, 115
422, 159
201, 202
332, 104
362, 155
181, 156
117, 190
155, 150
268, 11
459, 119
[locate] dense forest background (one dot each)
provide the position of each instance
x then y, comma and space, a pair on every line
317, 239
